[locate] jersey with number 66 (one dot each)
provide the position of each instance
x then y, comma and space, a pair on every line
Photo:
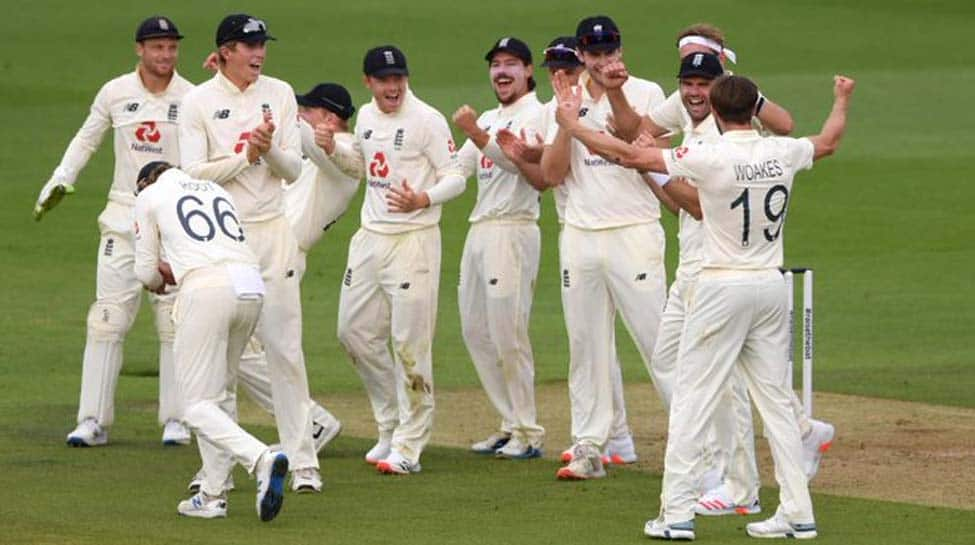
195, 221
744, 183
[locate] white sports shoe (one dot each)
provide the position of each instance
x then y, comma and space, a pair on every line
491, 445
203, 506
322, 432
396, 464
306, 480
779, 527
516, 450
197, 481
379, 451
175, 433
718, 502
815, 444
271, 471
680, 530
587, 463
88, 434
620, 450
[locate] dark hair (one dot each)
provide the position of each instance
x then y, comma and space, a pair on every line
733, 98
149, 173
531, 83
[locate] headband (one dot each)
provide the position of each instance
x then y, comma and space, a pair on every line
708, 42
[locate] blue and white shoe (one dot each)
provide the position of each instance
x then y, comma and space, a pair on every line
779, 527
203, 506
677, 531
516, 450
88, 434
271, 471
492, 443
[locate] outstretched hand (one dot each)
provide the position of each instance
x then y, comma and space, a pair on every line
403, 199
569, 101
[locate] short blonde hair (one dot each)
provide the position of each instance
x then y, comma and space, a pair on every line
705, 30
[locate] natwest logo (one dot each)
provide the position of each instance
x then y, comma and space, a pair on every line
242, 141
486, 162
147, 132
378, 167
680, 152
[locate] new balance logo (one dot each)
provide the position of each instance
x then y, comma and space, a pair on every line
221, 114
641, 276
131, 107
404, 286
319, 430
367, 134
583, 112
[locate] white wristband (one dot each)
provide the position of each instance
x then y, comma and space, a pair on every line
660, 179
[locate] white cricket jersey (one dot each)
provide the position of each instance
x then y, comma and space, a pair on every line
194, 221
145, 130
503, 193
545, 120
602, 194
672, 115
217, 121
413, 144
320, 195
744, 182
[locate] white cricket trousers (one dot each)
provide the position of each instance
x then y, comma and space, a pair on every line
604, 271
497, 283
118, 295
213, 325
730, 445
734, 318
279, 330
389, 295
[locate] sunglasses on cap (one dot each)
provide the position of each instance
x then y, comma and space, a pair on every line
561, 54
254, 25
599, 38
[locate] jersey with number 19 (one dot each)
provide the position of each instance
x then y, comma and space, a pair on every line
745, 181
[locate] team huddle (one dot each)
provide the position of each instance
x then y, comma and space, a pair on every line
220, 191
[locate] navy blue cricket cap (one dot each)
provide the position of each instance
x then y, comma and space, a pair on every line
561, 53
513, 46
705, 65
385, 60
598, 33
157, 26
240, 27
331, 96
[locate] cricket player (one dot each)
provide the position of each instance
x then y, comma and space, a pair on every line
143, 108
500, 261
194, 224
240, 129
561, 56
611, 248
737, 317
312, 204
732, 483
389, 292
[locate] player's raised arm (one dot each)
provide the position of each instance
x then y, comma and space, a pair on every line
555, 157
774, 117
828, 139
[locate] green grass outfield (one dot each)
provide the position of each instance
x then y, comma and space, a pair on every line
886, 224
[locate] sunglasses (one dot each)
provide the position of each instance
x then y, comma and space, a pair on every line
599, 38
561, 54
254, 25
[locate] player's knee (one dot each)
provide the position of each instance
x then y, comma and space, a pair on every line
109, 321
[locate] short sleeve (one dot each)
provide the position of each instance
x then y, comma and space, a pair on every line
689, 161
669, 114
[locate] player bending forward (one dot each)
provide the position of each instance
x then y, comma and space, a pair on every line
195, 224
738, 316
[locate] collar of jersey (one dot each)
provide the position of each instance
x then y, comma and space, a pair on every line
230, 87
741, 135
514, 109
